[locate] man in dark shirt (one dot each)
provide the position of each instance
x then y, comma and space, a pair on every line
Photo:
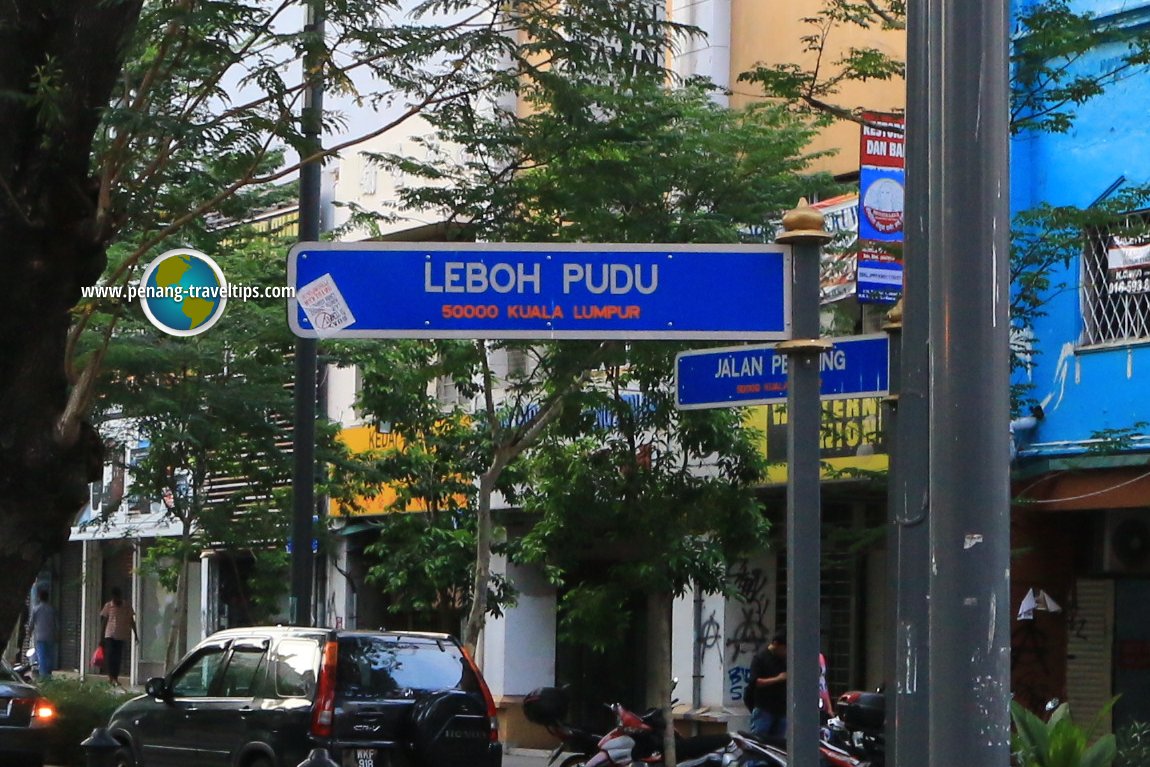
768, 689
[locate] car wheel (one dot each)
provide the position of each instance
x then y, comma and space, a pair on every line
260, 761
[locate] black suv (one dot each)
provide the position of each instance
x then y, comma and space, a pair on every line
265, 696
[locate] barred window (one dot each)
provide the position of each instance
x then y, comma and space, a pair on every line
1116, 282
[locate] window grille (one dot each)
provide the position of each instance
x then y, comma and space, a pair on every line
1115, 293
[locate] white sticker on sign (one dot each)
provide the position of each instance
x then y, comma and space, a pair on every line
324, 306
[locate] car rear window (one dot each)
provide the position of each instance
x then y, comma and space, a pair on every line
371, 666
295, 664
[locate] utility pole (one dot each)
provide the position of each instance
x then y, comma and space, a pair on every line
303, 474
959, 109
908, 534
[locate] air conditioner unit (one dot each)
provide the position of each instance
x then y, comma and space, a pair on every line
1126, 542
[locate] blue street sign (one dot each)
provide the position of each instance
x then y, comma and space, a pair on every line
534, 291
733, 376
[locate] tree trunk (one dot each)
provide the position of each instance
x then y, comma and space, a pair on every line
178, 629
473, 628
53, 244
659, 666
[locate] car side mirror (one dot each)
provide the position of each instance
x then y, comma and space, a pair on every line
157, 688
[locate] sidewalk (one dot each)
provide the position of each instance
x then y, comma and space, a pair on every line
525, 757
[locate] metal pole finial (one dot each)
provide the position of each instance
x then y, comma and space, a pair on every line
894, 316
804, 223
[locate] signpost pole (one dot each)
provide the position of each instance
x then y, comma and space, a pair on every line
303, 432
805, 231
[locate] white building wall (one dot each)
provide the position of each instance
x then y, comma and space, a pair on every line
749, 621
341, 393
518, 649
697, 622
708, 56
363, 183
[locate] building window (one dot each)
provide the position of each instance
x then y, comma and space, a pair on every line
1116, 282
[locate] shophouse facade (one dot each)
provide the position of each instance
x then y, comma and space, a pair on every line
1082, 516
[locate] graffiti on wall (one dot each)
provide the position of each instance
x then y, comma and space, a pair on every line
709, 635
749, 619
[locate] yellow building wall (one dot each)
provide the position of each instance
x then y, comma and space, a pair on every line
771, 32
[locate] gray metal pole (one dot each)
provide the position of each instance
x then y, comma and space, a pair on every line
968, 226
303, 438
908, 691
804, 230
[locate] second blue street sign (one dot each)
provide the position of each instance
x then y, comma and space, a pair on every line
733, 376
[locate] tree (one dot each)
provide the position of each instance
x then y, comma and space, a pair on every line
110, 109
657, 498
423, 554
215, 411
613, 155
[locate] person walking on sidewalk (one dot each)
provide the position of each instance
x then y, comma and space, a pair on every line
119, 628
42, 627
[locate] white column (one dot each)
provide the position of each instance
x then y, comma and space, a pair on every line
699, 625
709, 56
519, 648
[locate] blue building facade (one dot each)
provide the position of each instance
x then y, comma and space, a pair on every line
1082, 469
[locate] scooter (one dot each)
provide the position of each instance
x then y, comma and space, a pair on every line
854, 738
638, 739
547, 707
859, 727
28, 669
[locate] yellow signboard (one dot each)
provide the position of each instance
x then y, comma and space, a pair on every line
364, 439
852, 441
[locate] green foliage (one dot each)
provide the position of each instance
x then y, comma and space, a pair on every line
214, 411
1110, 441
423, 562
630, 162
81, 706
1133, 743
651, 497
1059, 742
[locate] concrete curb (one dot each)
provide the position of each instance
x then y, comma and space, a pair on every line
537, 752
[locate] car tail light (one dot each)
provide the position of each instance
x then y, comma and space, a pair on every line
323, 711
492, 712
43, 712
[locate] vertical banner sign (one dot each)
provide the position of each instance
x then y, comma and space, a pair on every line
837, 262
881, 204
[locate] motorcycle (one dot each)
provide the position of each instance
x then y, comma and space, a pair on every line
852, 739
28, 669
638, 739
547, 707
859, 728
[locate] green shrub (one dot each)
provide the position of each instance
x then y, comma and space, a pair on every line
81, 706
1059, 742
1134, 745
